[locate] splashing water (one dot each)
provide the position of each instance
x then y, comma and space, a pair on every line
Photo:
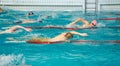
11, 60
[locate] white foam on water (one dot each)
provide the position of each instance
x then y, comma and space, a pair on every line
5, 28
15, 41
11, 60
101, 25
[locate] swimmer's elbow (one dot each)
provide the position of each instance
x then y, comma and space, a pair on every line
17, 26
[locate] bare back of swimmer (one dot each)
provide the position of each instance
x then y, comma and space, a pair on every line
60, 37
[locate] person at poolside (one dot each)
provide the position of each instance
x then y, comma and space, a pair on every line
14, 28
60, 37
86, 24
1, 9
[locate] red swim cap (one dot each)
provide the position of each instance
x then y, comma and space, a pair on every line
94, 22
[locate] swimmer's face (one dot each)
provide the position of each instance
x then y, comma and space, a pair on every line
91, 25
68, 35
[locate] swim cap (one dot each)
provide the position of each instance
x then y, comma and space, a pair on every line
30, 13
94, 22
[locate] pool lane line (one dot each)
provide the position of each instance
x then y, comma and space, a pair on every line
109, 19
58, 27
97, 41
72, 41
117, 14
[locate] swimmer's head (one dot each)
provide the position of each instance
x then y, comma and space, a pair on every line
68, 35
30, 13
93, 23
17, 22
39, 20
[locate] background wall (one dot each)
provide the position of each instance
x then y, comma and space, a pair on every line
109, 5
59, 4
44, 4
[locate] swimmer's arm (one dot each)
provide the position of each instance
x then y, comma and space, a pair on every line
83, 20
72, 23
29, 21
16, 27
6, 31
79, 20
77, 33
10, 30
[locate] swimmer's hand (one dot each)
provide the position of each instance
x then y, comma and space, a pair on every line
84, 34
77, 33
28, 29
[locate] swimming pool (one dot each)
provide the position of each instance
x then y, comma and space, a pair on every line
60, 54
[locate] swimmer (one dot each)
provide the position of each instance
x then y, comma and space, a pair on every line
86, 24
23, 21
1, 9
30, 13
29, 21
14, 28
60, 37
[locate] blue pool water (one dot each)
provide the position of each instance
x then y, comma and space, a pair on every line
59, 54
